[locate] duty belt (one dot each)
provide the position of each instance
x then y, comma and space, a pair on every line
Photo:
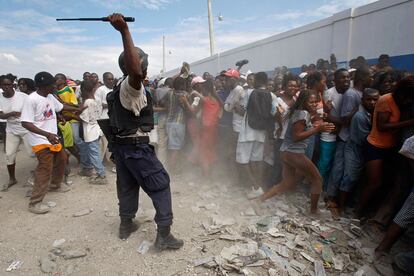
131, 140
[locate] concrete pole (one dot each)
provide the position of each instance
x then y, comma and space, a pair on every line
210, 27
163, 54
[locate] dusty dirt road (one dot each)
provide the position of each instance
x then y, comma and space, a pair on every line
202, 211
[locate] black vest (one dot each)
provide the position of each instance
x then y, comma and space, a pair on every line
122, 121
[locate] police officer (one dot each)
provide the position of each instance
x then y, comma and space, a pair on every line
131, 119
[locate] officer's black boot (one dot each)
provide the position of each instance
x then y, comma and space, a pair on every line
165, 240
127, 227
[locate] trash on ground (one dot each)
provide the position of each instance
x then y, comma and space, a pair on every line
319, 269
73, 254
83, 212
58, 243
14, 265
144, 247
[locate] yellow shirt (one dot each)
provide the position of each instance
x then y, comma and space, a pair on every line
67, 95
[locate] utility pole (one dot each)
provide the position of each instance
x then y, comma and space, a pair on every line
210, 27
163, 54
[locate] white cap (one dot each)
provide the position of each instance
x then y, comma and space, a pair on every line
161, 82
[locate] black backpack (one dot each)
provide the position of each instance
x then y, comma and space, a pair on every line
259, 110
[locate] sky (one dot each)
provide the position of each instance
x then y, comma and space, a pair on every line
32, 40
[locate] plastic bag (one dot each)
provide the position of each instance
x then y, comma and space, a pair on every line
407, 148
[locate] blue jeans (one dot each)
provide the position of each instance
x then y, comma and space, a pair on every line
85, 162
93, 154
353, 166
337, 172
311, 146
326, 157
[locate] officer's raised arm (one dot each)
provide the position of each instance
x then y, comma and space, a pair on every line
132, 61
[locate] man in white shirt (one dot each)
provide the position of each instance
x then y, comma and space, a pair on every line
235, 99
333, 100
40, 119
234, 104
11, 105
250, 144
100, 94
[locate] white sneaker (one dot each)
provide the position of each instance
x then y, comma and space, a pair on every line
39, 208
255, 193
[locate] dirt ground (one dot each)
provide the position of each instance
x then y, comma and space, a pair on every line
29, 238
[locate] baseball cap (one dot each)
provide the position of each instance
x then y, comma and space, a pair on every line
232, 73
44, 79
196, 80
161, 82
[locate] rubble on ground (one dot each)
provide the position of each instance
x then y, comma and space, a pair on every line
282, 240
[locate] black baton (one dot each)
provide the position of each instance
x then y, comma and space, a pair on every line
127, 19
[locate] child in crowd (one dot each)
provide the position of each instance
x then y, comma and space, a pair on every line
296, 165
91, 131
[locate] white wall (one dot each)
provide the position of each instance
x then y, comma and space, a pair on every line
370, 30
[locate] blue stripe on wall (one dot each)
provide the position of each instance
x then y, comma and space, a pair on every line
403, 62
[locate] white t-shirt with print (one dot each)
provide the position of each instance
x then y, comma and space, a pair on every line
100, 94
13, 104
91, 129
41, 111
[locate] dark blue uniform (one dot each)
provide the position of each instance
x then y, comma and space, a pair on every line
138, 167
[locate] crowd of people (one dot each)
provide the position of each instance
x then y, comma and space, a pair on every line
347, 133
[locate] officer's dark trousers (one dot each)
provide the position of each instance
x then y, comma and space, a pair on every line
138, 167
